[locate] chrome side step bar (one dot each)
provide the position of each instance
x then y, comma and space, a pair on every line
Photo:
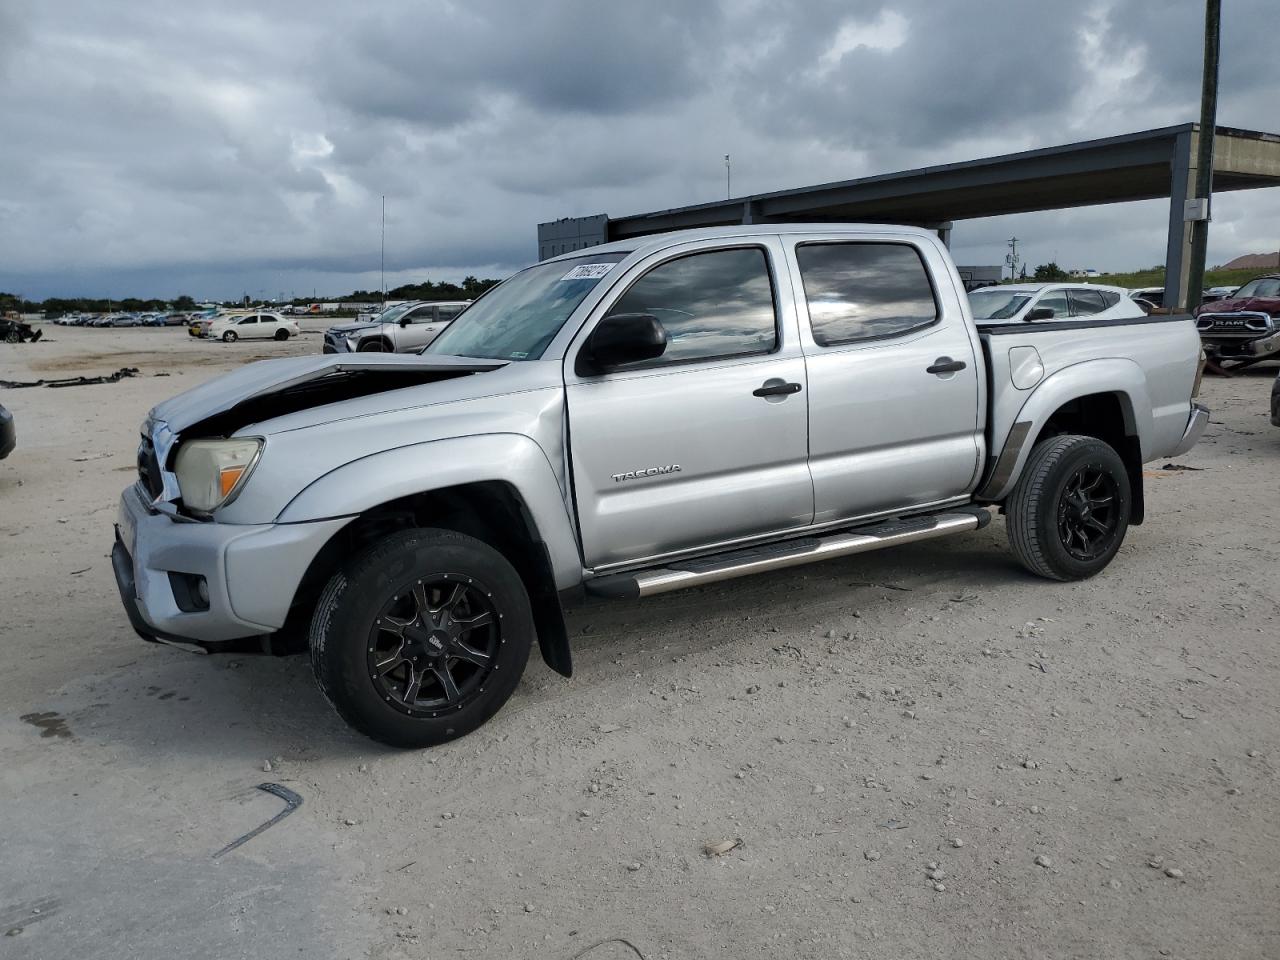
788, 553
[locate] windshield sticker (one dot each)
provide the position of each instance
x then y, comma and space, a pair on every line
588, 271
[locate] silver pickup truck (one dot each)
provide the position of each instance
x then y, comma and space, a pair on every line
623, 421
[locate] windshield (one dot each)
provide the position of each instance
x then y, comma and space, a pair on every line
993, 303
392, 314
1262, 287
517, 319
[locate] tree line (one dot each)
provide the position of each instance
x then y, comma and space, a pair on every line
468, 289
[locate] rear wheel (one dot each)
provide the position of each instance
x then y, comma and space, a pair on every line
229, 337
282, 334
421, 638
1068, 514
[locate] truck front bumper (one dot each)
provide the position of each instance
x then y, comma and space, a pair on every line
1196, 422
202, 584
1223, 348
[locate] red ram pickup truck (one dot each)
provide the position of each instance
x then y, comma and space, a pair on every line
1244, 327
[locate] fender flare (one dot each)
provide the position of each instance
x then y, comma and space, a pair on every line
1116, 375
554, 561
511, 458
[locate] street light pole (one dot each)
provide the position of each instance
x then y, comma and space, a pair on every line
728, 191
1204, 152
384, 251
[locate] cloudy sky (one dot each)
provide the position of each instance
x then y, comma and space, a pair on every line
216, 149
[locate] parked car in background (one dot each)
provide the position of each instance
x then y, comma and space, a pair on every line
1038, 302
1275, 401
8, 437
177, 320
648, 415
253, 326
1151, 295
406, 328
1218, 293
1244, 327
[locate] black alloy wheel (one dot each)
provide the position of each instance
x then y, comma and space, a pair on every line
1088, 513
1069, 512
421, 637
433, 646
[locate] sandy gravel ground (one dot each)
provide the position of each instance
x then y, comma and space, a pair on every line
1089, 770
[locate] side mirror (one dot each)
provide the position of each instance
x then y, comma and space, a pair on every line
404, 321
621, 338
1040, 313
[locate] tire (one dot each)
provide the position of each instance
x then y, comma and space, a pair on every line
13, 337
282, 334
229, 337
1046, 515
370, 616
372, 346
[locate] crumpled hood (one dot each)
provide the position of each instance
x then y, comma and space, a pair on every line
264, 384
1269, 305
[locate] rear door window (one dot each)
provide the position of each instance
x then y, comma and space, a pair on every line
864, 291
1087, 302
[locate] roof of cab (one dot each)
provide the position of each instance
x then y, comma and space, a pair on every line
656, 241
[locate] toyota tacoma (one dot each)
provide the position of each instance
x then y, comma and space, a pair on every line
643, 416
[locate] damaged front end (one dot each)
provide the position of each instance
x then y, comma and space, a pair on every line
188, 579
15, 331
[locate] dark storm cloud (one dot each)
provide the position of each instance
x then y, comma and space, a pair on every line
242, 146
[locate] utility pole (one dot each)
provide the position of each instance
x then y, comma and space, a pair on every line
1204, 154
728, 192
384, 251
1012, 259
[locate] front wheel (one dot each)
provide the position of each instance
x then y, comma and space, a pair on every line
229, 337
421, 638
1069, 512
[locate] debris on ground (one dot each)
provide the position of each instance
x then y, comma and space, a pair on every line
1181, 466
292, 803
718, 848
116, 377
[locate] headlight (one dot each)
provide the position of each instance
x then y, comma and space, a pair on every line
211, 472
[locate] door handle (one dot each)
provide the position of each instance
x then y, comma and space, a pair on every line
945, 365
776, 388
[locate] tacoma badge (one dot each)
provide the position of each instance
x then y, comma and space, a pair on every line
647, 472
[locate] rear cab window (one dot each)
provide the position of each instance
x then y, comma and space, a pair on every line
865, 290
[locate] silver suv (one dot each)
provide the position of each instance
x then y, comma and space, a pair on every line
405, 328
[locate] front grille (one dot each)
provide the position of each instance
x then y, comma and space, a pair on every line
149, 468
1244, 323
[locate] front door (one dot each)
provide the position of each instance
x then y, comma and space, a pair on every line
417, 328
708, 443
894, 410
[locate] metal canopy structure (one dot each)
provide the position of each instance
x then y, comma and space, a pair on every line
1135, 166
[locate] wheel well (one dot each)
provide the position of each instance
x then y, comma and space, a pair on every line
491, 511
384, 343
1109, 418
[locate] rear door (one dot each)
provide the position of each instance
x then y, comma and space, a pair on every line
893, 376
706, 444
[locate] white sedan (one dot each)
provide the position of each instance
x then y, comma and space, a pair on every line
253, 326
1033, 302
